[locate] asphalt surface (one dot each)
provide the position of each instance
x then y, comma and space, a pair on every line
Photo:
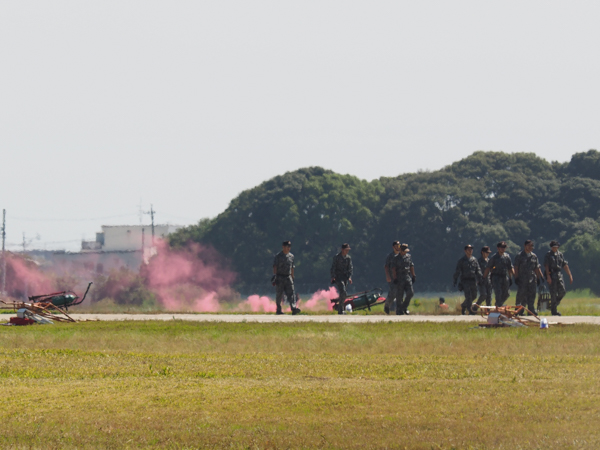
326, 318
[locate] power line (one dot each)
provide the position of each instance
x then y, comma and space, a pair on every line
31, 219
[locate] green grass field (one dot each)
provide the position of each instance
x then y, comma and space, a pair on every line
312, 385
575, 303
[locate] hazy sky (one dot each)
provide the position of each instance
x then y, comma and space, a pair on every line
184, 104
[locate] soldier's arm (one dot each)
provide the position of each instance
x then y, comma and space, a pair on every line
388, 276
566, 267
548, 276
412, 271
274, 270
293, 267
538, 272
456, 272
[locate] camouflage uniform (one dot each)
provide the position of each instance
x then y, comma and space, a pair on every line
403, 282
389, 264
341, 270
485, 287
499, 269
526, 265
555, 262
284, 283
470, 274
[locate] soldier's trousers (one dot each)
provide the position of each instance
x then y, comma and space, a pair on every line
470, 291
500, 285
404, 287
391, 298
526, 292
285, 286
557, 289
485, 293
341, 286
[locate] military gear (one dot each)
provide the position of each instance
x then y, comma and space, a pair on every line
485, 286
404, 283
526, 266
341, 267
555, 263
389, 264
284, 283
469, 271
341, 273
500, 266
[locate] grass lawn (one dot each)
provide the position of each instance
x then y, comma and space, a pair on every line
300, 385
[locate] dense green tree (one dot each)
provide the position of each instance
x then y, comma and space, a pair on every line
482, 199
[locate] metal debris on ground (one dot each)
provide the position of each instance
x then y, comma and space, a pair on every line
362, 300
44, 309
508, 316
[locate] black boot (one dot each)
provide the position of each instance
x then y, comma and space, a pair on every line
279, 311
555, 312
295, 311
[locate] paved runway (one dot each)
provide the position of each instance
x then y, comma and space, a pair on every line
329, 318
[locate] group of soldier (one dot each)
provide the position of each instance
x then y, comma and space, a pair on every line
482, 276
496, 273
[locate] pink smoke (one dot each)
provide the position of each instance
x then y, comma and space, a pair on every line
23, 278
189, 278
321, 300
256, 303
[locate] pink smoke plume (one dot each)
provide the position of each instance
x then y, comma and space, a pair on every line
189, 278
23, 278
321, 300
256, 303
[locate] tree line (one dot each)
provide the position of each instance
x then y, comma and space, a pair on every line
482, 199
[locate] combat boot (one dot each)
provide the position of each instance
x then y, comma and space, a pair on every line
555, 311
386, 310
295, 311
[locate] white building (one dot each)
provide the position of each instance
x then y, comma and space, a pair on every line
127, 237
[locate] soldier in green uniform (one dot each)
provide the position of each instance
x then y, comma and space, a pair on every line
501, 268
527, 276
467, 268
283, 278
554, 262
389, 264
404, 277
485, 287
341, 274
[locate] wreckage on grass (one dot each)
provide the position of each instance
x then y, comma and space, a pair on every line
44, 309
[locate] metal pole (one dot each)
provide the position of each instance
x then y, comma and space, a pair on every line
3, 252
152, 217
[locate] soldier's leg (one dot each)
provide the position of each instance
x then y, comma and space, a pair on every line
399, 296
560, 291
290, 293
531, 293
470, 296
408, 289
482, 293
466, 304
391, 298
341, 288
553, 288
497, 285
279, 290
505, 290
521, 299
488, 290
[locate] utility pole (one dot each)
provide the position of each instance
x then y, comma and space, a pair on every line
3, 252
151, 212
24, 244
